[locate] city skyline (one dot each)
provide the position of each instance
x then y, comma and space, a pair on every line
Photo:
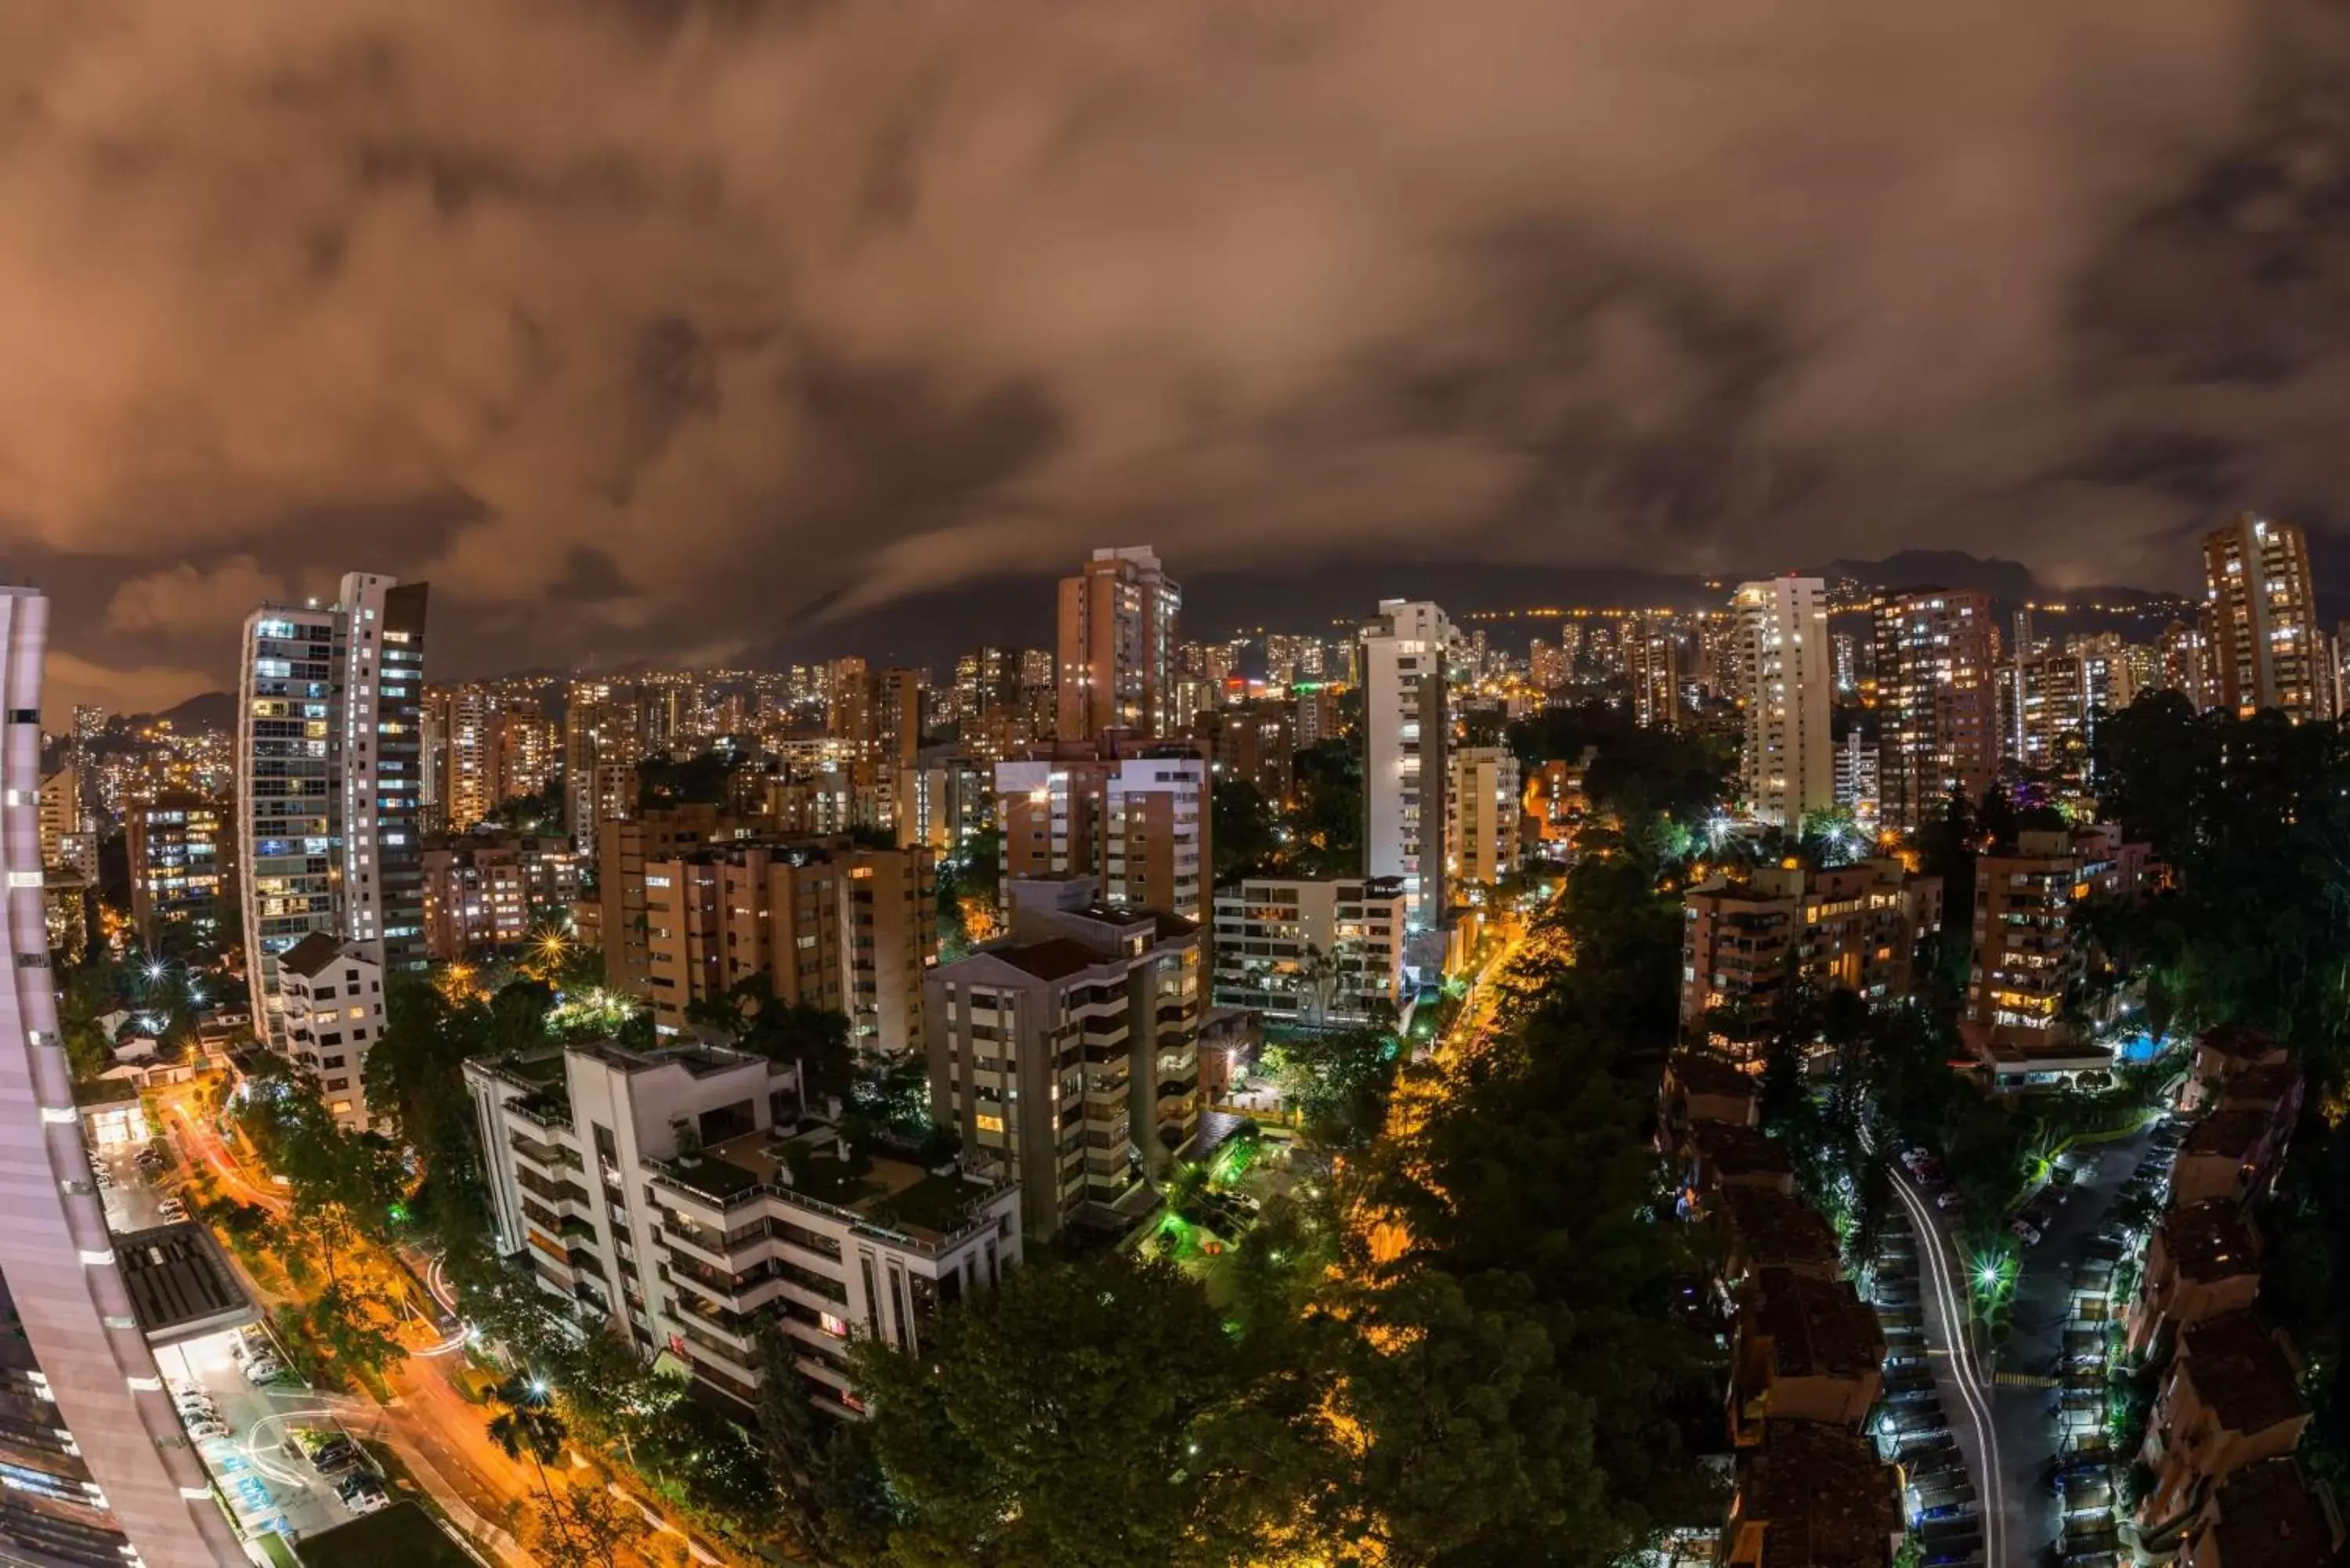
648, 360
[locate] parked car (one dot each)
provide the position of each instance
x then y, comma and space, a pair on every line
173, 1210
2025, 1232
362, 1492
333, 1459
207, 1426
264, 1369
1949, 1200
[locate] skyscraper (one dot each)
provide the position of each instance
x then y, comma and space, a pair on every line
1405, 722
100, 1469
1652, 655
600, 746
1789, 761
2260, 620
1117, 646
462, 755
1936, 700
328, 774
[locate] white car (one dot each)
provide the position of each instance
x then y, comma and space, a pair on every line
264, 1369
207, 1426
172, 1210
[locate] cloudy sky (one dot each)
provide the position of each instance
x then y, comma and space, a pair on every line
646, 327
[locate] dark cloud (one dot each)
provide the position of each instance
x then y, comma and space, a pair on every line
661, 326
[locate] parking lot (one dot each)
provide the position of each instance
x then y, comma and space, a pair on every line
250, 1434
1912, 1426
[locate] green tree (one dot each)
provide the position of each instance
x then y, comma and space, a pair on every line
587, 1527
1240, 828
817, 1038
1078, 1415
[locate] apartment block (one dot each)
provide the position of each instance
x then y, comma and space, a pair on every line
2203, 1260
1789, 764
1067, 1054
1746, 939
1481, 814
331, 994
1812, 1495
830, 923
1133, 816
683, 1195
1807, 1349
1117, 646
2260, 621
1309, 951
623, 849
2024, 959
2266, 1515
1937, 701
1256, 742
485, 893
945, 802
1407, 729
603, 742
182, 852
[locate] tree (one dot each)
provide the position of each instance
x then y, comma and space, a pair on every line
1325, 825
587, 1527
1240, 828
817, 1038
1076, 1415
1338, 1082
528, 1425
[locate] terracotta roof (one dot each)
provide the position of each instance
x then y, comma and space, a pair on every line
1822, 1496
1818, 1328
309, 957
2229, 1134
2209, 1241
1778, 1231
2240, 1373
1732, 1149
2268, 1518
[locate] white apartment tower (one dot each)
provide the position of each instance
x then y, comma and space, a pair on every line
1404, 732
329, 781
100, 1469
1789, 755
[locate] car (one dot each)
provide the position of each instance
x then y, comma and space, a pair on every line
172, 1210
207, 1426
362, 1492
264, 1369
1949, 1200
195, 1405
333, 1459
2025, 1232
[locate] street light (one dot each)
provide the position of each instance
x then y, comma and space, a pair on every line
1988, 1275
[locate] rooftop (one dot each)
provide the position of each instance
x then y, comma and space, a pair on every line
311, 955
2236, 1042
1817, 1328
400, 1536
1698, 1073
2240, 1373
2209, 1241
2269, 1518
701, 1061
2231, 1134
878, 1187
1057, 958
1779, 1231
180, 1286
1732, 1149
2264, 1084
1821, 1494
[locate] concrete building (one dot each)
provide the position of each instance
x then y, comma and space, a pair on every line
1855, 777
1937, 701
331, 996
1653, 659
2204, 1258
1407, 729
2260, 620
1309, 951
1134, 815
2025, 958
2232, 1398
464, 754
1812, 1495
830, 923
99, 1470
65, 845
683, 1195
328, 787
1256, 742
1745, 940
182, 872
623, 849
2185, 656
1789, 762
602, 745
1066, 1055
2266, 1515
485, 893
1481, 812
945, 802
1116, 647
1807, 1349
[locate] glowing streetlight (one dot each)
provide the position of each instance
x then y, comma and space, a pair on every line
1988, 1275
156, 969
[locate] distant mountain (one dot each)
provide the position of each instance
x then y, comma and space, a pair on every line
209, 711
2010, 583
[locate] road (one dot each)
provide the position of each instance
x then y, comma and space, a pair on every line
1966, 1392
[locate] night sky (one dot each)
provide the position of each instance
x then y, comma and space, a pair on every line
665, 329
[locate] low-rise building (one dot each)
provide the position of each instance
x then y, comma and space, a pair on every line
2232, 1398
1067, 1053
1764, 1229
1311, 951
682, 1195
1747, 937
332, 996
1812, 1496
2204, 1260
2267, 1515
2231, 1154
1717, 1155
2220, 1053
1701, 1088
1807, 1349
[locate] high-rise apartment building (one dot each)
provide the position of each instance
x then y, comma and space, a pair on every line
530, 755
1116, 647
1406, 725
601, 747
1789, 767
1482, 808
464, 754
1652, 656
1545, 665
1067, 1055
1936, 700
1311, 951
486, 893
2186, 663
329, 785
98, 1469
1133, 816
182, 872
624, 847
2260, 620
